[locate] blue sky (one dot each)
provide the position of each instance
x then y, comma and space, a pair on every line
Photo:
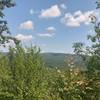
54, 25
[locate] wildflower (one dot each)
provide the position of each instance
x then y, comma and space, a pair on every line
58, 71
66, 83
65, 88
80, 82
89, 88
60, 89
62, 76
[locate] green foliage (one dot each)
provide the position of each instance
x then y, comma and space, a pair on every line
91, 55
61, 60
4, 38
21, 74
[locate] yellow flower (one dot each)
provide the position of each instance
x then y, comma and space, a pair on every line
58, 71
80, 82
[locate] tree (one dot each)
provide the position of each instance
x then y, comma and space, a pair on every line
91, 53
22, 75
4, 30
91, 57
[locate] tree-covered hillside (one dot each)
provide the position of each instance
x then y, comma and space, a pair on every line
61, 60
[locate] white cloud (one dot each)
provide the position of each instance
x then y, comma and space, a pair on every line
49, 32
63, 6
10, 43
27, 25
50, 29
22, 37
31, 11
46, 34
7, 45
51, 12
39, 45
77, 18
78, 13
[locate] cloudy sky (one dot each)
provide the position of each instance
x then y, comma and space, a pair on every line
54, 25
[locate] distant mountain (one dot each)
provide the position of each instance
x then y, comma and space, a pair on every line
61, 60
